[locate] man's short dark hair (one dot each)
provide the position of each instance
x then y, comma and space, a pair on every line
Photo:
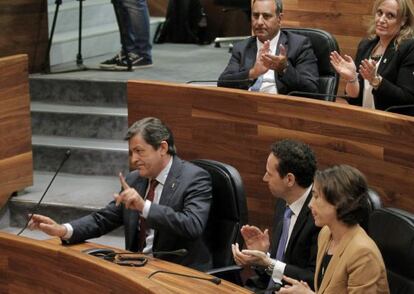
296, 158
346, 188
153, 131
279, 5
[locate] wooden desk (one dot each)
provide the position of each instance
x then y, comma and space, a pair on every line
31, 266
16, 164
237, 127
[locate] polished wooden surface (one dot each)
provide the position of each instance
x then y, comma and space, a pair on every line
24, 30
16, 166
30, 266
237, 127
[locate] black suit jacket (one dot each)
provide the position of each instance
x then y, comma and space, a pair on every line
301, 251
397, 71
179, 219
301, 74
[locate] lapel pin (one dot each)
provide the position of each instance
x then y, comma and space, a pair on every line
172, 185
385, 60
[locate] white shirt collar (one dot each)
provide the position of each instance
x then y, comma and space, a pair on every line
296, 206
162, 176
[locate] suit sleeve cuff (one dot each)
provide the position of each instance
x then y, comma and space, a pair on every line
146, 209
278, 271
69, 232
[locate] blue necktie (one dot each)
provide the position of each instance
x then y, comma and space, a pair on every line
280, 253
256, 86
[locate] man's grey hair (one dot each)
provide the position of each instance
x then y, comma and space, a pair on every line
279, 5
153, 131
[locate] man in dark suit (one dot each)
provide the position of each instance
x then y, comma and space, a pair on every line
164, 204
289, 174
272, 61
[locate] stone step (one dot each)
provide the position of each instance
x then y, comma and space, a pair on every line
70, 196
88, 156
95, 14
79, 121
107, 93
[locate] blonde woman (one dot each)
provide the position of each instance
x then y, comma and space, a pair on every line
383, 72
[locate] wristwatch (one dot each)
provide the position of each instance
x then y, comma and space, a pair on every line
376, 82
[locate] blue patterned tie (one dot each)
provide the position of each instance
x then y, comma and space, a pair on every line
280, 253
257, 85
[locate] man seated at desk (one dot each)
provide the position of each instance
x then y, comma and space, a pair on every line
164, 204
272, 61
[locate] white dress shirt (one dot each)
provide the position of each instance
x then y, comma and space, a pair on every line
296, 207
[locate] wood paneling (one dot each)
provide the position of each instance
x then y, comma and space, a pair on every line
31, 266
16, 166
24, 30
237, 127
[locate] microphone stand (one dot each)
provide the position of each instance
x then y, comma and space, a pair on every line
79, 59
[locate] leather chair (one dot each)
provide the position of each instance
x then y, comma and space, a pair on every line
323, 44
393, 231
374, 202
228, 214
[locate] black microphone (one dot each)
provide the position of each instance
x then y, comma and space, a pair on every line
224, 81
316, 95
109, 254
65, 157
213, 280
275, 287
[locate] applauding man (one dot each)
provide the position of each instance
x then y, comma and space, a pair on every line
164, 204
292, 249
272, 61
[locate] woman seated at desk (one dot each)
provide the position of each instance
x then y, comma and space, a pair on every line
348, 260
385, 60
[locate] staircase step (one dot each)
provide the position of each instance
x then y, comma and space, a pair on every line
95, 14
70, 196
79, 121
88, 156
107, 93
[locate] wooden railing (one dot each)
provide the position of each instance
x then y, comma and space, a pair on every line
16, 165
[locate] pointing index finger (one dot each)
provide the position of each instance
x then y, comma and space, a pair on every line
124, 184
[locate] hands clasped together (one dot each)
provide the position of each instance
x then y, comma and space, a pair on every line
267, 61
346, 68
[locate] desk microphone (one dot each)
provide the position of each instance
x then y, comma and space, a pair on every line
224, 81
315, 95
213, 280
65, 157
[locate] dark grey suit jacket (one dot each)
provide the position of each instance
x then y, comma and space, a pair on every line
397, 71
179, 219
301, 251
301, 74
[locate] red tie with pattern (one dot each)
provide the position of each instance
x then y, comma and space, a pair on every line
142, 234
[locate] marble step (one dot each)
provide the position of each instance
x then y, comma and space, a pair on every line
88, 156
107, 93
95, 13
70, 196
79, 121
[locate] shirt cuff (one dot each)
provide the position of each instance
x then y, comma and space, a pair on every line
146, 209
278, 271
69, 232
